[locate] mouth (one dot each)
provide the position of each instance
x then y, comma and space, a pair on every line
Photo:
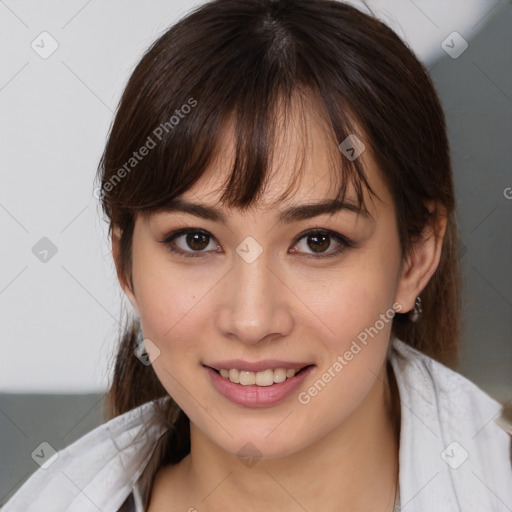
258, 389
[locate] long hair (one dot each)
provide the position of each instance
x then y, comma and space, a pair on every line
234, 59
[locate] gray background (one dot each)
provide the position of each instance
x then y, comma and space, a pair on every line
476, 92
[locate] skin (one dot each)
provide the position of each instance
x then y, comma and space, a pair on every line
339, 451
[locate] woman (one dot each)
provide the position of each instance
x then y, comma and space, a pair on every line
294, 322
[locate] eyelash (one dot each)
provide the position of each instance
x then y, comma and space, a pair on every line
344, 242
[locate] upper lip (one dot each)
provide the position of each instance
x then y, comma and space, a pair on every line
257, 366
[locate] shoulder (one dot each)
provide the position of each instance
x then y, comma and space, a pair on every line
101, 467
448, 428
431, 380
445, 394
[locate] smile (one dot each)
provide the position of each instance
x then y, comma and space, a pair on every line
257, 389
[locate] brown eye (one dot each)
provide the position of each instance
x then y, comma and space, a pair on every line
318, 242
197, 241
193, 242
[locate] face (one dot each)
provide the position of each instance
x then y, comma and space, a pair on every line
314, 291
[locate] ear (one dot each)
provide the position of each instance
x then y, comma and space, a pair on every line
123, 281
423, 260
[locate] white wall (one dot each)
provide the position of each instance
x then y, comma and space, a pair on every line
59, 319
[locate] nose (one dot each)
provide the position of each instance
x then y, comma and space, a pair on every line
255, 302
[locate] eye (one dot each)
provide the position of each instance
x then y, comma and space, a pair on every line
195, 239
320, 240
198, 241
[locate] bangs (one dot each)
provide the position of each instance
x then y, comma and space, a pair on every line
179, 118
257, 137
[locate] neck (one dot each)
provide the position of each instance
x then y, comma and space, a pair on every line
354, 467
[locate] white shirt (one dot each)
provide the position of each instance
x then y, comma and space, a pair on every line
453, 456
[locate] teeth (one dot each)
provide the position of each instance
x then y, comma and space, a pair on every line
264, 378
247, 378
234, 376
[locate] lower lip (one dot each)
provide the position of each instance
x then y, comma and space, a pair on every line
257, 396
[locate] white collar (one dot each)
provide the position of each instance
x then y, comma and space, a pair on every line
453, 457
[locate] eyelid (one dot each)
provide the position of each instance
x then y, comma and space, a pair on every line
346, 243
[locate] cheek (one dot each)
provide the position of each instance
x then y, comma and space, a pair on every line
354, 297
359, 321
359, 317
171, 306
356, 315
168, 295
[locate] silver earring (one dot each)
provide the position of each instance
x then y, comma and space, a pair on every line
416, 312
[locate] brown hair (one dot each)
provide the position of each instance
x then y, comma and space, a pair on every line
234, 58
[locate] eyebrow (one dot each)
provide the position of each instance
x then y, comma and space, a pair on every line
291, 214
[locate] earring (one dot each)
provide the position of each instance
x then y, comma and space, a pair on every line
416, 312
